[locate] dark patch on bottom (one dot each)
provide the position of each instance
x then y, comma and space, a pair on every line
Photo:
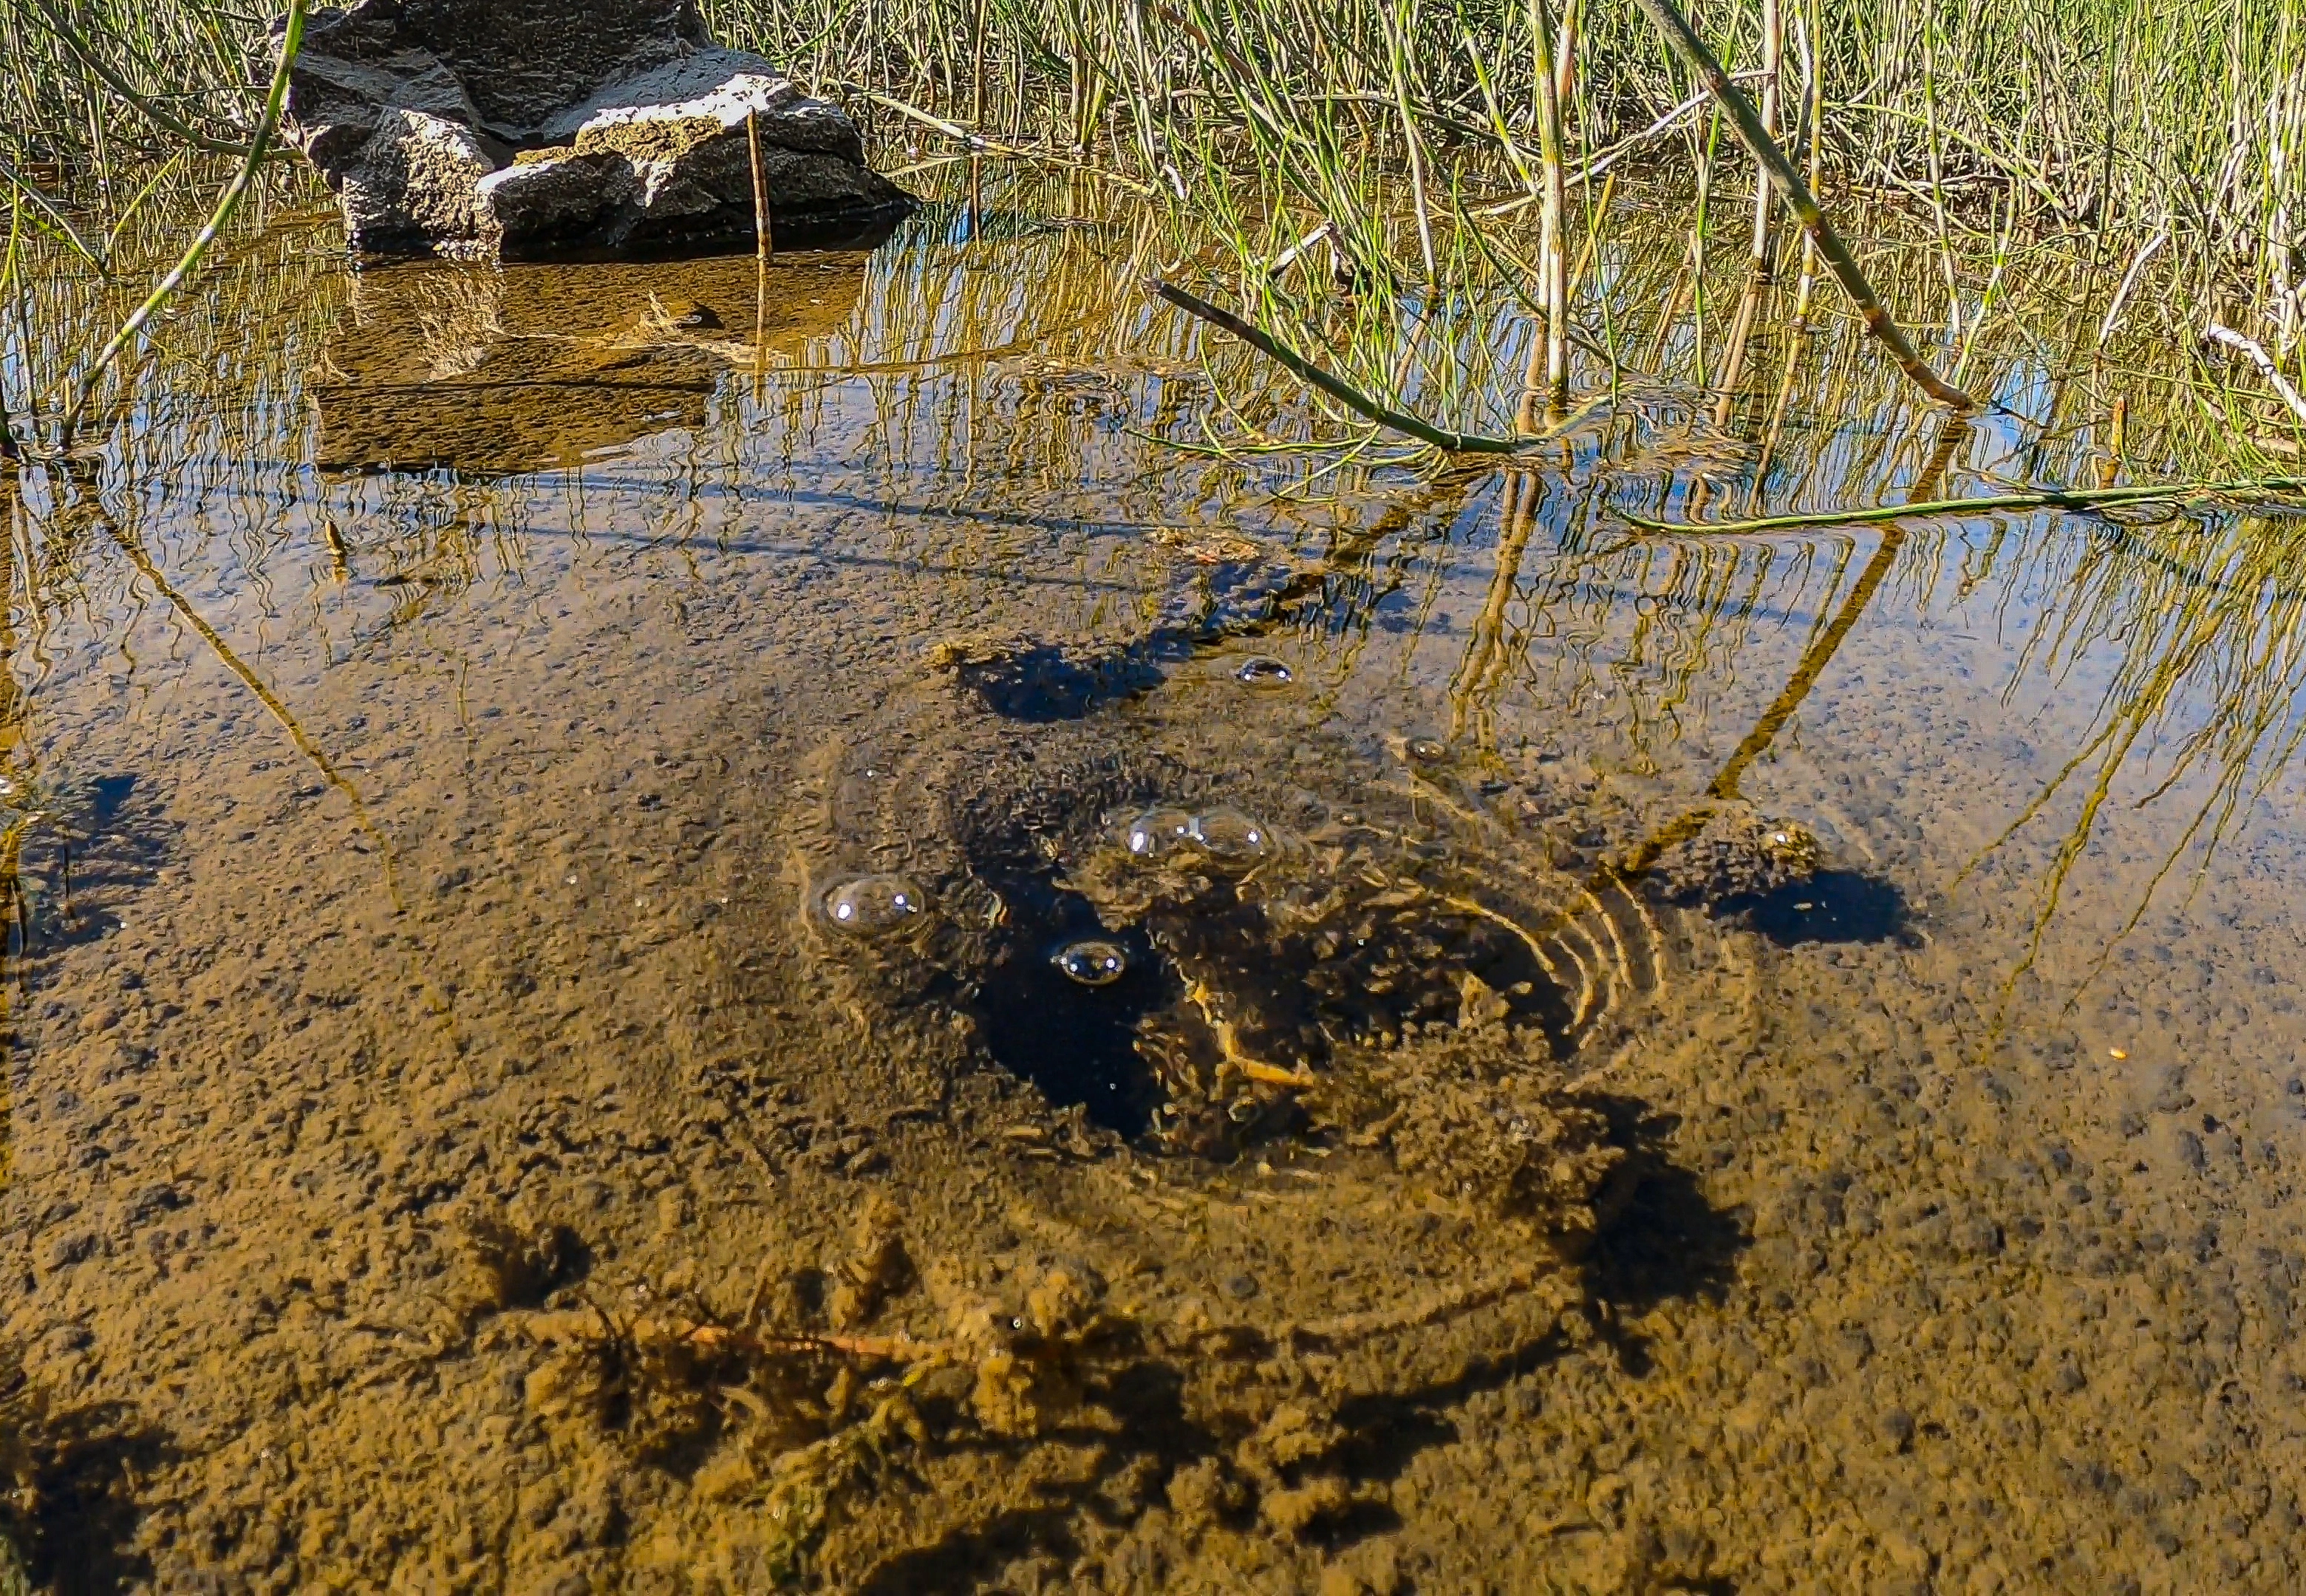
72, 1512
108, 795
1047, 683
1661, 1238
1077, 1043
1841, 906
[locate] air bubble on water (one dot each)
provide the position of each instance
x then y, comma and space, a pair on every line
1263, 670
1157, 832
1226, 834
1427, 750
873, 905
1093, 962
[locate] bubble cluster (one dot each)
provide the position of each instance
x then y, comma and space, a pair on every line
1093, 962
1228, 834
1263, 670
1157, 833
1222, 835
874, 905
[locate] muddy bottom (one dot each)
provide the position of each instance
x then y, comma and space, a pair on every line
677, 947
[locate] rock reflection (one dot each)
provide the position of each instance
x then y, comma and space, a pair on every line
494, 371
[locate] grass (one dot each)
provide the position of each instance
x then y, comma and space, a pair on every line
2164, 146
2115, 119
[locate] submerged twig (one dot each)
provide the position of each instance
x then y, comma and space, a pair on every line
2059, 499
274, 101
1831, 249
1724, 788
1337, 388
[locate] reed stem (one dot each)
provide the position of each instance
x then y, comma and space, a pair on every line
1831, 249
2271, 487
291, 40
167, 121
1553, 247
1774, 54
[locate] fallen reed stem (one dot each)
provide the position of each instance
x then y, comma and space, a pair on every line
2129, 281
227, 203
2061, 498
2218, 333
1351, 397
1748, 122
983, 144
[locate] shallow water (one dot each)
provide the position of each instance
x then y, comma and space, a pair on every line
583, 752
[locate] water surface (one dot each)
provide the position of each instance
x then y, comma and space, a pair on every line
445, 716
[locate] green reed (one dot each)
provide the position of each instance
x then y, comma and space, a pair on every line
2109, 115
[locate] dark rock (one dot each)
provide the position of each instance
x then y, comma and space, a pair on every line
543, 128
1739, 854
